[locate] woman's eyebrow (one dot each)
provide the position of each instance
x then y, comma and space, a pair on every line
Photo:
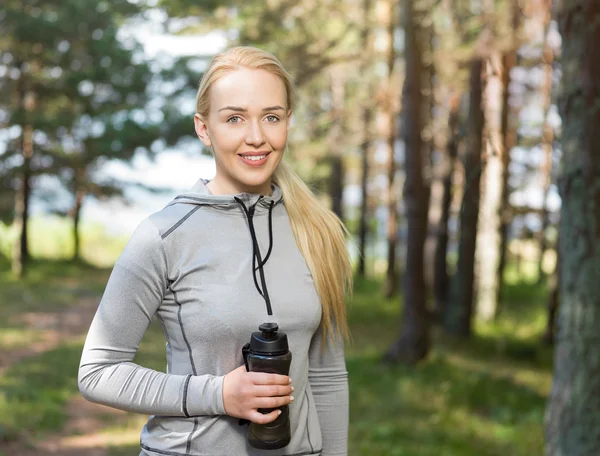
238, 109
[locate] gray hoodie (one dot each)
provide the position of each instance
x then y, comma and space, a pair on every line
191, 266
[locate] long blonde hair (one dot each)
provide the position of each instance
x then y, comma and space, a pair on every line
319, 233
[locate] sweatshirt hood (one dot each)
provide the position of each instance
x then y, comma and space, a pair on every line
200, 195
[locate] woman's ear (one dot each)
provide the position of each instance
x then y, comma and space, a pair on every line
289, 118
201, 130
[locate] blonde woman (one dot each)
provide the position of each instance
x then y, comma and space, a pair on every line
193, 265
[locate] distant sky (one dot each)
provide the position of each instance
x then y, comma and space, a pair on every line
172, 168
180, 169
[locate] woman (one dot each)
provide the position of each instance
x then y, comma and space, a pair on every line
249, 246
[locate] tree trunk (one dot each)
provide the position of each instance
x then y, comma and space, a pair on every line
336, 185
414, 342
441, 279
573, 413
553, 297
488, 236
547, 140
336, 136
79, 196
458, 318
363, 230
20, 254
509, 138
391, 279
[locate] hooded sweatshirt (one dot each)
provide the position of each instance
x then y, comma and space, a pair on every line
209, 268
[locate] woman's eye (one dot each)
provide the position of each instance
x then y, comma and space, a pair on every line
273, 117
233, 117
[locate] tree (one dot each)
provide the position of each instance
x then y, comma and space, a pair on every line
547, 137
389, 111
489, 224
414, 341
441, 285
509, 140
573, 413
29, 55
367, 61
458, 317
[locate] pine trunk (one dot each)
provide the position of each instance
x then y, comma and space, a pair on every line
489, 226
414, 341
336, 137
441, 278
459, 315
553, 299
363, 227
509, 138
20, 255
336, 185
391, 279
79, 196
573, 414
547, 139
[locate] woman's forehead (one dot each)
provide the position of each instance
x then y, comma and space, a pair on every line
248, 89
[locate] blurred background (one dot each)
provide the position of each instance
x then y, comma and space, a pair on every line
430, 127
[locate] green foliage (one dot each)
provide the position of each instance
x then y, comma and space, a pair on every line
33, 393
481, 398
51, 238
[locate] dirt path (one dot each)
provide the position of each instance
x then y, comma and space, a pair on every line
81, 435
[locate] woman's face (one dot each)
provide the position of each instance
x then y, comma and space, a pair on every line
247, 128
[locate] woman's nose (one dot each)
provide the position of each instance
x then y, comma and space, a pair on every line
255, 134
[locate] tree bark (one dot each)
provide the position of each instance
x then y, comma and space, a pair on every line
489, 226
336, 183
441, 278
459, 314
553, 299
573, 413
363, 228
391, 279
76, 212
20, 256
509, 137
547, 140
414, 341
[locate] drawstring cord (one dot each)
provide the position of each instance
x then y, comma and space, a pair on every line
257, 261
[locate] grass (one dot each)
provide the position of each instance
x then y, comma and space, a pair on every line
483, 397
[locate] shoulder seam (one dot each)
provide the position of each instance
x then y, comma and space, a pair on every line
180, 222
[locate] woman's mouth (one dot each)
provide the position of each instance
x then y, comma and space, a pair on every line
255, 159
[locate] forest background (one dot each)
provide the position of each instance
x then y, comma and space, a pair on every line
455, 138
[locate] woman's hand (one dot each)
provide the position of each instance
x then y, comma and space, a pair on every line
245, 392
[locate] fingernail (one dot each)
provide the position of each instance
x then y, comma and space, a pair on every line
291, 398
290, 380
293, 388
278, 412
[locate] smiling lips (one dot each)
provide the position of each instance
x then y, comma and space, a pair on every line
255, 158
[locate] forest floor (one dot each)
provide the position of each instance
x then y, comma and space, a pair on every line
483, 397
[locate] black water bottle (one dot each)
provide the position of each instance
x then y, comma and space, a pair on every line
268, 351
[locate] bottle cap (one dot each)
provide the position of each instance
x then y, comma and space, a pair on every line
268, 341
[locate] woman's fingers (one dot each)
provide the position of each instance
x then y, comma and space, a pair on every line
262, 378
260, 418
272, 402
246, 392
272, 390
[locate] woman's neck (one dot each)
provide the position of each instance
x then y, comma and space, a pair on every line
217, 187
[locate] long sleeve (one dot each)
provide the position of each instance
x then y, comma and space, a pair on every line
328, 379
107, 375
